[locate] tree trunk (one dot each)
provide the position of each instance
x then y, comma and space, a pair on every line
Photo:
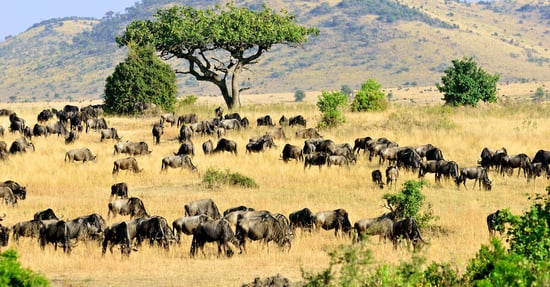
235, 86
225, 93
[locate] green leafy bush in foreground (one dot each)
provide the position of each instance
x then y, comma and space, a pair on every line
215, 178
12, 274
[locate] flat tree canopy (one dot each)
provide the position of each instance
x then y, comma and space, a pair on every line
216, 44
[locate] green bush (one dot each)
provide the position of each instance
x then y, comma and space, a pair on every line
216, 178
408, 202
369, 98
187, 101
330, 105
12, 274
299, 95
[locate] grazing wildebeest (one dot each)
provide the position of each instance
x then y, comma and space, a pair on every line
110, 133
333, 219
434, 154
128, 163
407, 157
185, 133
87, 227
57, 128
187, 119
202, 206
446, 168
188, 224
264, 227
119, 190
72, 136
542, 156
4, 235
406, 229
208, 147
361, 144
45, 215
492, 159
132, 206
292, 151
157, 131
226, 145
169, 118
317, 158
213, 231
392, 173
302, 218
17, 124
186, 148
132, 148
283, 121
381, 226
9, 197
44, 116
21, 145
117, 233
175, 161
231, 124
308, 133
40, 130
55, 233
377, 178
96, 124
338, 160
260, 144
17, 189
245, 123
297, 120
29, 228
154, 229
2, 131
276, 133
265, 121
478, 173
520, 161
80, 154
429, 166
495, 223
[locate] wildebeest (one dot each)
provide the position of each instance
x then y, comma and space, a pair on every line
338, 160
132, 148
297, 120
187, 119
377, 178
157, 131
21, 145
333, 219
80, 154
44, 116
128, 163
392, 173
96, 124
202, 206
55, 233
308, 133
213, 231
45, 215
495, 223
29, 228
71, 137
406, 229
40, 130
188, 224
17, 189
478, 173
87, 227
263, 227
360, 144
208, 147
117, 233
264, 121
231, 124
381, 226
302, 218
446, 169
9, 197
317, 158
260, 144
434, 154
186, 148
292, 151
110, 133
408, 158
132, 206
276, 133
4, 235
154, 229
226, 145
542, 156
175, 161
520, 161
245, 123
17, 124
57, 128
119, 190
283, 121
169, 118
185, 133
492, 159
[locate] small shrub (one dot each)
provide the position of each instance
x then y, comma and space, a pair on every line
408, 202
330, 105
369, 98
299, 95
12, 274
216, 178
188, 101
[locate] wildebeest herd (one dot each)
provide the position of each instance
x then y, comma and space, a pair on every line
203, 221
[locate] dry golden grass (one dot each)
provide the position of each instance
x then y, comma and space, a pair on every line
78, 189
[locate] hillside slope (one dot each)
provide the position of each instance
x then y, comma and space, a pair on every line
403, 43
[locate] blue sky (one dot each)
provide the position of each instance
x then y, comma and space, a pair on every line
16, 16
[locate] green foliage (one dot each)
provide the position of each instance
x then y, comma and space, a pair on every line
12, 274
330, 105
299, 95
408, 202
187, 101
141, 78
540, 95
216, 178
217, 43
369, 98
466, 84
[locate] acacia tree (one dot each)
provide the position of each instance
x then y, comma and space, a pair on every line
217, 44
465, 84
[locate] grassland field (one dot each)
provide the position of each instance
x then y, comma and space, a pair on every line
75, 189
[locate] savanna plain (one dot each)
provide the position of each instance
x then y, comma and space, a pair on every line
76, 189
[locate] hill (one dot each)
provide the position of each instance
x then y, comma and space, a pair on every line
401, 44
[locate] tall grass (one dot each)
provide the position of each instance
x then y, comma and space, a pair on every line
75, 189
